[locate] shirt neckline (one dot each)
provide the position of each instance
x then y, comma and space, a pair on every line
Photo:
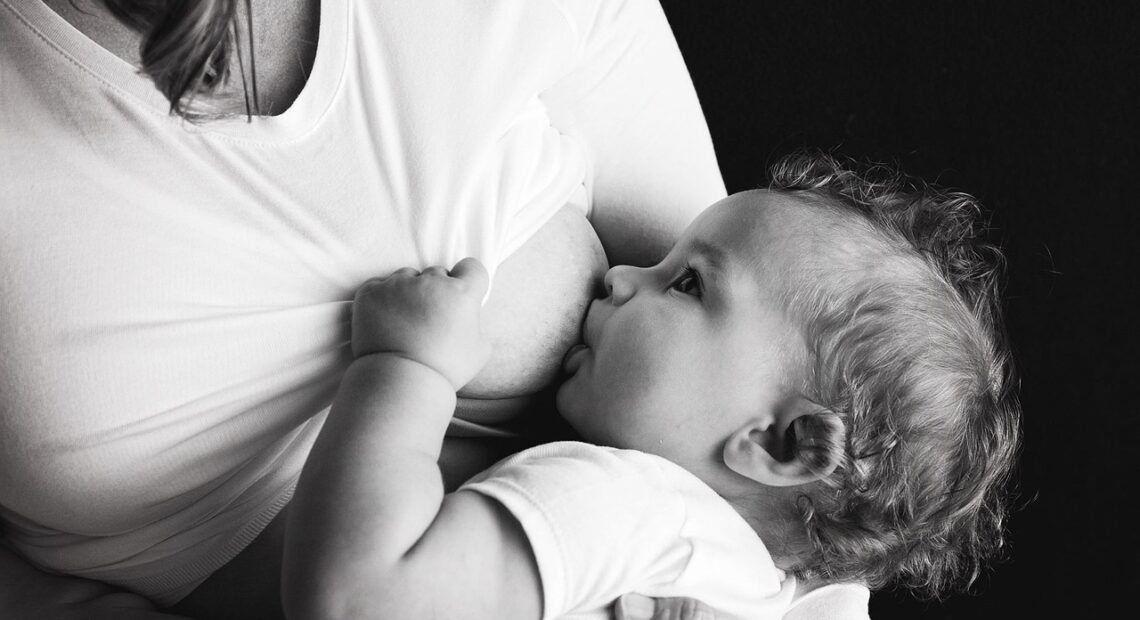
302, 116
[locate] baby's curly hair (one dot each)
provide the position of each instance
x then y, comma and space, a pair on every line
908, 358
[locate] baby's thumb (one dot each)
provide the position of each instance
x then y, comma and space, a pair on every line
473, 271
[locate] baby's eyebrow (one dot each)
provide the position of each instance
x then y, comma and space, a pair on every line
714, 255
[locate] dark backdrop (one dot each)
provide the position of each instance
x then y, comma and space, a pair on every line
1030, 106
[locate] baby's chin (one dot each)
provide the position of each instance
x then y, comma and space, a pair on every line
567, 403
562, 399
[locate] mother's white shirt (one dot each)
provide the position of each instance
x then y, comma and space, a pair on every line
173, 297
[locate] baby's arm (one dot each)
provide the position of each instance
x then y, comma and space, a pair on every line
370, 531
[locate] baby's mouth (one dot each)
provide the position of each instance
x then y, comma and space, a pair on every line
572, 360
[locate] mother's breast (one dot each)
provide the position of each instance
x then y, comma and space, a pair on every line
535, 309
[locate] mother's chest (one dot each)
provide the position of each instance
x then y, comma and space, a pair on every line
535, 309
150, 292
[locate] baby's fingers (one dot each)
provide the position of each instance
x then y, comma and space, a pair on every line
473, 272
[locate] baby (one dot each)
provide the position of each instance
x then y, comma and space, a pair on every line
811, 385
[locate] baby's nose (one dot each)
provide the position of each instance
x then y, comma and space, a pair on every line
619, 283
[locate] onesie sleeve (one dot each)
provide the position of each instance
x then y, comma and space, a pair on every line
599, 524
603, 522
630, 100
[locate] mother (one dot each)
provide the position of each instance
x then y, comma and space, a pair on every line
175, 293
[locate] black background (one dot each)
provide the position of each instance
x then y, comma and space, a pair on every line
1032, 107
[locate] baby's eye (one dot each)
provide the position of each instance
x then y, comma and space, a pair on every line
689, 282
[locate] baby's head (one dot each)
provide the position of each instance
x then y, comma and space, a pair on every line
826, 354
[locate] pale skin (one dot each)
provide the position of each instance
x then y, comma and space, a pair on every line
372, 532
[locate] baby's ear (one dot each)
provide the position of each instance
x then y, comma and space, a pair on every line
796, 443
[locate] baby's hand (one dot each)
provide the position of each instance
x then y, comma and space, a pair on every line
431, 317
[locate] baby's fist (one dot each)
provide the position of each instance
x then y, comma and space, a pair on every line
431, 317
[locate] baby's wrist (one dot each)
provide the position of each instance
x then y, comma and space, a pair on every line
399, 361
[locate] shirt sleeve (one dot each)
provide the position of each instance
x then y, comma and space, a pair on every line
598, 523
603, 522
630, 100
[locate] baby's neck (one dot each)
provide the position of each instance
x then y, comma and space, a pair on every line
768, 511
